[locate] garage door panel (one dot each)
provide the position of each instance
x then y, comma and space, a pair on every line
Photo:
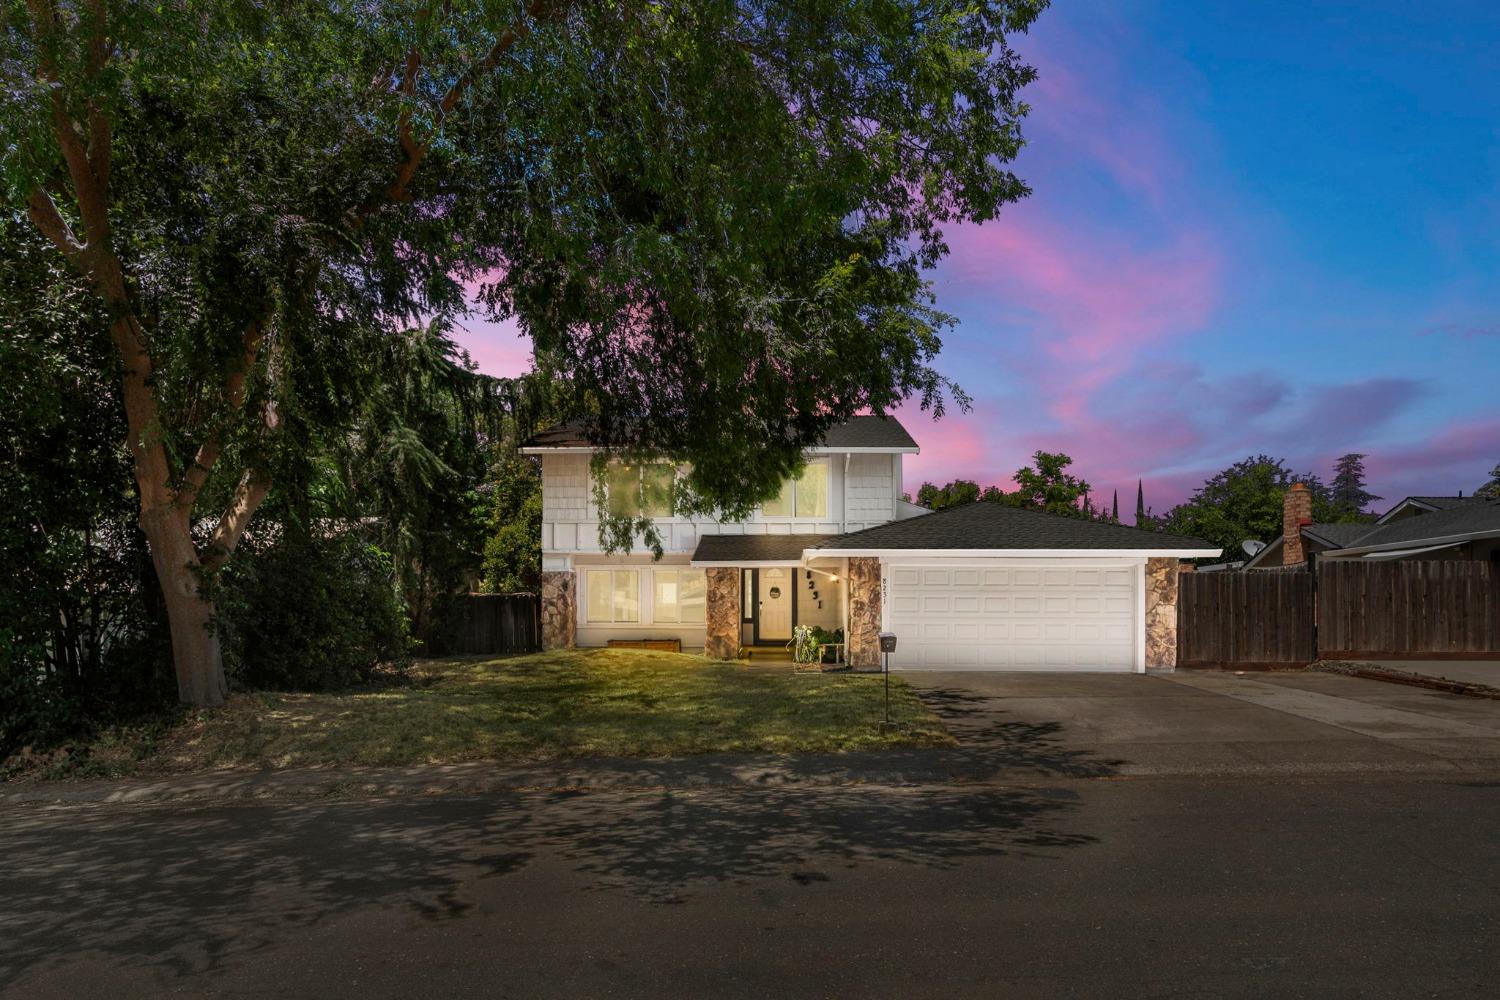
1023, 618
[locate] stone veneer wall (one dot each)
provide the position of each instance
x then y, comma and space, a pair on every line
864, 612
559, 610
1161, 612
722, 641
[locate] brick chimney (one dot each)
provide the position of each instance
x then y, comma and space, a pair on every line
1296, 513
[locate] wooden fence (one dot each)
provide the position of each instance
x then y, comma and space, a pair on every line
500, 623
1251, 619
1421, 609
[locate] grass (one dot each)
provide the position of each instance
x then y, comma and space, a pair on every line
544, 706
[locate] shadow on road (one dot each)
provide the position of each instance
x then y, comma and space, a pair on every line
186, 891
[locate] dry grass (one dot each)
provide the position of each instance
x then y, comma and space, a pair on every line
536, 707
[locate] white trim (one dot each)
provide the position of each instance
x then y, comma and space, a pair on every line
826, 450
1403, 553
819, 450
1403, 505
1139, 625
749, 563
1017, 553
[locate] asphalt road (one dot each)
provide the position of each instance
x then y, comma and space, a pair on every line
1154, 887
1199, 836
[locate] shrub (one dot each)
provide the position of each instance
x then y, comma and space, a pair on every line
311, 614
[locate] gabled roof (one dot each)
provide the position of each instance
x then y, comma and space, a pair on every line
1474, 517
1423, 504
861, 433
990, 525
1460, 519
1339, 535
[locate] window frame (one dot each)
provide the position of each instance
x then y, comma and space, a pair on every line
638, 508
678, 572
588, 593
791, 486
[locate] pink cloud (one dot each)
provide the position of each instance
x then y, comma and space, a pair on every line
1127, 143
500, 349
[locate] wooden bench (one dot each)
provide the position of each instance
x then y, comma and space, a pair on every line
660, 645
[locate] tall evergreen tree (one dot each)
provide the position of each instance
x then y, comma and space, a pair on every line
1140, 503
1347, 492
1114, 509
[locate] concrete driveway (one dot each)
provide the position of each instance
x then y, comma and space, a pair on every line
1204, 723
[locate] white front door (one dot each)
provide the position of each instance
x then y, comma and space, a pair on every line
775, 604
1017, 616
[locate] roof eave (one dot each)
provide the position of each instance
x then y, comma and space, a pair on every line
548, 449
1037, 553
1435, 540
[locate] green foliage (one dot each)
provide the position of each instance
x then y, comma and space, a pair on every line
413, 463
1048, 486
1244, 502
954, 494
311, 613
1491, 489
1347, 492
679, 203
512, 546
81, 638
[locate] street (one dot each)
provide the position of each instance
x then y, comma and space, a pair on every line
1066, 877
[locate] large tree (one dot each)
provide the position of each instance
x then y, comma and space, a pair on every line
952, 494
712, 219
1347, 491
1244, 502
1047, 485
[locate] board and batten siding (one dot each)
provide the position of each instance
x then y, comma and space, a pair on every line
570, 522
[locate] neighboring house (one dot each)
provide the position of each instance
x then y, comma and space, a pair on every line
984, 586
1416, 528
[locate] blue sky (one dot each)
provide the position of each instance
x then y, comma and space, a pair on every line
1269, 227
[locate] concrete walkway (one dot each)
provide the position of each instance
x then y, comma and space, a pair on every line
1486, 672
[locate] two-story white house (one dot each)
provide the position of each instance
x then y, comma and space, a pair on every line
851, 482
985, 586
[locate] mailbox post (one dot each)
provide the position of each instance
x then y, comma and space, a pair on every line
887, 647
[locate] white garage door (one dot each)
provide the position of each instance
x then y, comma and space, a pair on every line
1003, 618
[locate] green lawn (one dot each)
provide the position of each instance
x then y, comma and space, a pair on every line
537, 707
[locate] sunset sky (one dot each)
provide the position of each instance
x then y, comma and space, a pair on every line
1254, 228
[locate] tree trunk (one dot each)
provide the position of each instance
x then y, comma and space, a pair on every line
195, 648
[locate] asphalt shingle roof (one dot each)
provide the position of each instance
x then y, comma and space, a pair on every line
857, 432
1442, 503
1340, 535
754, 548
987, 524
1472, 515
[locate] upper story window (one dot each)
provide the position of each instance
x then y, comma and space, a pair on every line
804, 496
636, 489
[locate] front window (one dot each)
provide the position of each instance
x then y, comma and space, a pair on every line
804, 496
613, 595
812, 491
680, 596
635, 489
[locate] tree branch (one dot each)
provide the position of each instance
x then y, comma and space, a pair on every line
248, 495
50, 223
208, 452
415, 151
